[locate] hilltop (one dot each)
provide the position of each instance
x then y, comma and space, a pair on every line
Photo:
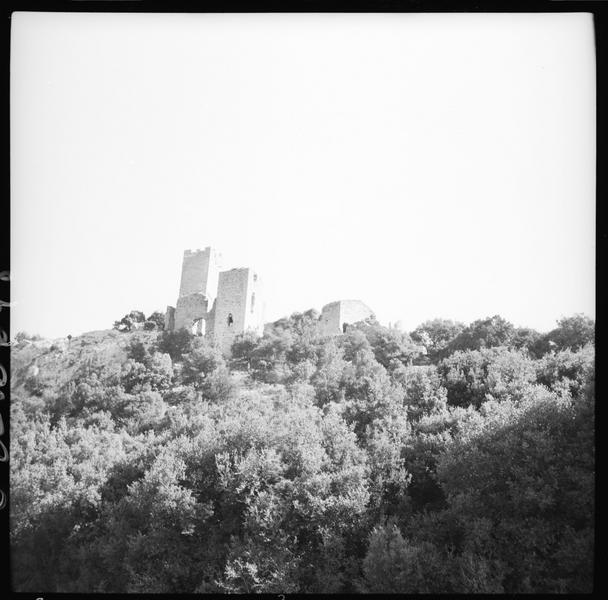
60, 358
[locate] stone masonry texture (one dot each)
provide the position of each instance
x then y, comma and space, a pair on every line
238, 307
200, 270
219, 305
336, 314
223, 304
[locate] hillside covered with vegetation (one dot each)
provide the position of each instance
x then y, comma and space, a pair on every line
451, 459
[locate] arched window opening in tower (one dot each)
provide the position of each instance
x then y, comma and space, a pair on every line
344, 327
230, 320
198, 327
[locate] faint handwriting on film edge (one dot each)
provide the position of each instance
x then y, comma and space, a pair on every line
4, 342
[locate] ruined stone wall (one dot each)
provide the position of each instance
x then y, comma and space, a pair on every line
239, 296
352, 311
207, 297
336, 314
189, 309
210, 322
329, 323
256, 305
200, 269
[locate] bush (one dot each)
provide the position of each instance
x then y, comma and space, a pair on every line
392, 348
130, 321
470, 377
175, 343
436, 335
520, 479
242, 350
158, 318
567, 370
483, 333
424, 394
22, 336
204, 368
571, 333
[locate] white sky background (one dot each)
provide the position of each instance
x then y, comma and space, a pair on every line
429, 165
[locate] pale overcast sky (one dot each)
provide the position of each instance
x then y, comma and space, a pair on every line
430, 165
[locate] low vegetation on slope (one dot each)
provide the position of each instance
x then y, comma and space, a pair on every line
144, 461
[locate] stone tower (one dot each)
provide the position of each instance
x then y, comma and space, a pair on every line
219, 305
197, 290
239, 306
200, 269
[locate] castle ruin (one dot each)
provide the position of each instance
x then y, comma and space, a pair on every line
220, 304
214, 303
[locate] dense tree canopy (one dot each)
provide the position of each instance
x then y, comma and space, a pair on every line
436, 335
146, 461
572, 333
483, 333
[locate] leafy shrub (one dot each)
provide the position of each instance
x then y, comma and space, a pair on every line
471, 376
175, 343
483, 333
130, 321
158, 318
436, 336
204, 368
572, 333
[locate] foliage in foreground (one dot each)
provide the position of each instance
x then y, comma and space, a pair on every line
147, 462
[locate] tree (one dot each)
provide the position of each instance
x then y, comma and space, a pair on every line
56, 475
269, 359
138, 350
204, 368
328, 377
175, 343
154, 373
369, 393
22, 336
424, 394
130, 321
519, 479
483, 333
392, 348
289, 350
298, 323
337, 468
243, 348
436, 335
394, 564
158, 318
567, 371
572, 332
471, 376
528, 339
